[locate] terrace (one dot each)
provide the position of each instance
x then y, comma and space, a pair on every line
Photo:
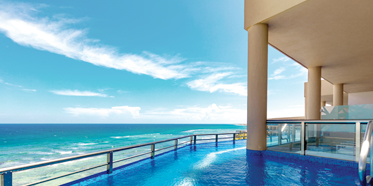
333, 41
216, 159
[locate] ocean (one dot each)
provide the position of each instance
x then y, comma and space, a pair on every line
30, 143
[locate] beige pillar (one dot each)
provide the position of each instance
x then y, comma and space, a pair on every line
323, 103
337, 94
345, 98
314, 93
305, 100
257, 88
305, 107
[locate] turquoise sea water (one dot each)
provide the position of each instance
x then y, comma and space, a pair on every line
30, 143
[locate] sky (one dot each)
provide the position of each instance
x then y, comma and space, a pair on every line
138, 61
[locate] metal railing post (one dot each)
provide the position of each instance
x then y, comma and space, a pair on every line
109, 167
176, 142
152, 149
371, 152
191, 140
270, 133
302, 138
195, 139
216, 138
367, 144
288, 136
279, 134
6, 179
234, 138
357, 141
293, 133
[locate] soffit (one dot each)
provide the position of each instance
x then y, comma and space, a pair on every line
334, 34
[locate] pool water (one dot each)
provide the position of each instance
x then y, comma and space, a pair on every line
227, 164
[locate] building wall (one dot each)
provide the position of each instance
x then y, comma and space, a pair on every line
360, 98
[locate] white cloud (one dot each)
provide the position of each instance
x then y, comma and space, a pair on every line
303, 72
18, 23
212, 114
189, 114
104, 112
18, 86
280, 59
291, 111
77, 93
277, 77
9, 84
276, 74
29, 90
21, 24
122, 91
290, 66
210, 84
278, 71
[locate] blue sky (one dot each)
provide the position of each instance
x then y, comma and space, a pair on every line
133, 62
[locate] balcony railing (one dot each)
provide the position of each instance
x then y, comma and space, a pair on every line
353, 112
340, 139
6, 174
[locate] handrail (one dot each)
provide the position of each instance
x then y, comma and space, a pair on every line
61, 160
6, 173
367, 143
326, 121
64, 175
303, 123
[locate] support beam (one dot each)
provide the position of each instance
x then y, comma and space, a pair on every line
337, 94
257, 87
314, 93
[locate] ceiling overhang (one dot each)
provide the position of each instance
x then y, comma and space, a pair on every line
334, 34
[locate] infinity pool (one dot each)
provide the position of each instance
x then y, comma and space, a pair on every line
229, 164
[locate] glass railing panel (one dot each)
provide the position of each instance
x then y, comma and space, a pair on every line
272, 134
348, 112
335, 112
284, 137
331, 140
360, 111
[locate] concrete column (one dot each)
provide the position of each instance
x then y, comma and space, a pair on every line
305, 100
257, 88
314, 93
323, 103
305, 107
337, 94
345, 98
